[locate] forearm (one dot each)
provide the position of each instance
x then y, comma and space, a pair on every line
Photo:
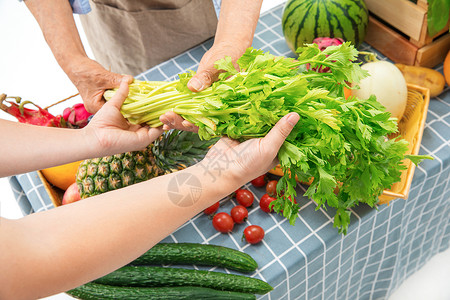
90, 238
237, 22
58, 26
29, 147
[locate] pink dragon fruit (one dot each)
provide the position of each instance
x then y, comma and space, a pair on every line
37, 116
323, 43
76, 115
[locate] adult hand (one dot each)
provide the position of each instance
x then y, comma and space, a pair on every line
112, 133
242, 162
91, 80
205, 76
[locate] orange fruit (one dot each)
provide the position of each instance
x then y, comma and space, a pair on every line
62, 176
447, 68
347, 92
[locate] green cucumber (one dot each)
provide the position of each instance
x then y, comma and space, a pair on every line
197, 254
145, 276
92, 291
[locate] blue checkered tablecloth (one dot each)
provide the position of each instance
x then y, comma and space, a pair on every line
310, 260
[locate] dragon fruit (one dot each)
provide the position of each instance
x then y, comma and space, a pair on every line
76, 115
323, 43
39, 116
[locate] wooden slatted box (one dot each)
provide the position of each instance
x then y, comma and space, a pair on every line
398, 29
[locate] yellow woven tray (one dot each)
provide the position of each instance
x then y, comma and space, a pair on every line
410, 128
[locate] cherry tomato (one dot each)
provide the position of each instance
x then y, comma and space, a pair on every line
239, 214
259, 181
253, 234
271, 188
264, 203
244, 197
223, 222
212, 209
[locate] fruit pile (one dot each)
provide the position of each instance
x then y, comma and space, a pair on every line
225, 222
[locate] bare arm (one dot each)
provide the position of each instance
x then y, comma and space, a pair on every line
58, 26
56, 250
234, 34
29, 147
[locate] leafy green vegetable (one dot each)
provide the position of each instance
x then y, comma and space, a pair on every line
337, 143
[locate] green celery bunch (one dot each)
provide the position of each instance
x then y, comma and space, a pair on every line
337, 143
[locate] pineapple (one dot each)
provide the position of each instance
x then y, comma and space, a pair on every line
172, 151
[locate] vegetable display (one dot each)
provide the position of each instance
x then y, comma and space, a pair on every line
144, 279
146, 276
338, 142
197, 254
305, 20
423, 76
387, 83
94, 291
172, 151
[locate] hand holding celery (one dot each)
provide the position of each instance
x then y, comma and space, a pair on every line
337, 142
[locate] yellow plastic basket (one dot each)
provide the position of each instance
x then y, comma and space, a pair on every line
410, 128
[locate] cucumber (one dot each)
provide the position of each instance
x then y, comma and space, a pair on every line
92, 291
197, 254
145, 276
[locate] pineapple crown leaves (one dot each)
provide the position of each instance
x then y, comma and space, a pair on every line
178, 149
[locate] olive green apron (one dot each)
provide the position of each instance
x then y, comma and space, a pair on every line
130, 36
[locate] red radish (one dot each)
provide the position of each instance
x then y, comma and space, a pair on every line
39, 117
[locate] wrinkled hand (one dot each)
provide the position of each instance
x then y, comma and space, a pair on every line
205, 76
91, 80
112, 133
242, 162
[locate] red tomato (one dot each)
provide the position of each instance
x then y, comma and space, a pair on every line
239, 214
244, 197
271, 188
265, 202
223, 222
253, 234
259, 181
212, 209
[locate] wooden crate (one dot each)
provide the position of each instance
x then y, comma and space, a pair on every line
398, 29
55, 194
410, 128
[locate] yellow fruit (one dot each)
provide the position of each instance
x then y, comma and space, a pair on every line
62, 176
447, 68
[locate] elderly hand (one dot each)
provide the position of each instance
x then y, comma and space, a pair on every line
112, 133
91, 80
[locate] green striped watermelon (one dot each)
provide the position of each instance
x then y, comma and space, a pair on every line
305, 20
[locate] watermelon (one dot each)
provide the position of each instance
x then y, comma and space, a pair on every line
305, 20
